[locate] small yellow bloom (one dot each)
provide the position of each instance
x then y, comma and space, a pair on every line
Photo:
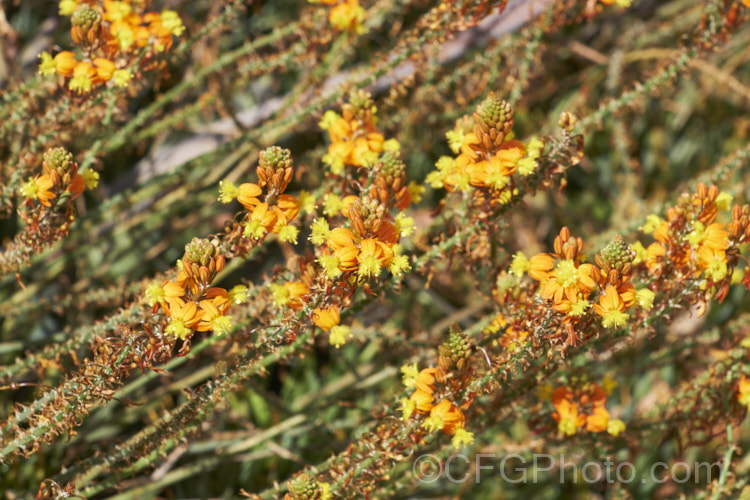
46, 64
227, 191
409, 375
90, 178
615, 427
416, 191
280, 294
307, 202
462, 438
640, 252
652, 223
391, 145
154, 294
238, 294
171, 20
329, 118
404, 225
122, 77
67, 7
332, 204
338, 335
83, 78
455, 140
408, 406
319, 231
724, 201
288, 233
645, 298
327, 318
519, 265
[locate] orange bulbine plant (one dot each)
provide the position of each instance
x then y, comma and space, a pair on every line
290, 250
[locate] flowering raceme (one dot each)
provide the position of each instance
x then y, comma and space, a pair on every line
110, 34
269, 209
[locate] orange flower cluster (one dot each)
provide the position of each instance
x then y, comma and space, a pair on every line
584, 407
269, 210
488, 156
512, 336
436, 389
60, 179
691, 244
443, 415
189, 302
354, 140
570, 286
367, 246
109, 33
346, 15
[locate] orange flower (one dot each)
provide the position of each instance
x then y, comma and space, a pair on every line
446, 416
567, 417
598, 420
426, 379
423, 400
248, 195
38, 188
65, 63
326, 318
183, 317
611, 307
297, 293
105, 69
540, 266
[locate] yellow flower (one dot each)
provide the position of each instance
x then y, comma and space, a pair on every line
724, 201
404, 225
91, 178
444, 416
409, 375
122, 77
399, 264
348, 16
319, 231
338, 335
83, 77
154, 294
46, 64
640, 252
462, 438
182, 319
329, 118
307, 202
332, 204
416, 191
519, 265
408, 406
212, 319
330, 265
288, 233
652, 223
280, 294
615, 427
744, 391
645, 298
579, 307
455, 139
171, 20
238, 294
391, 145
611, 308
67, 7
